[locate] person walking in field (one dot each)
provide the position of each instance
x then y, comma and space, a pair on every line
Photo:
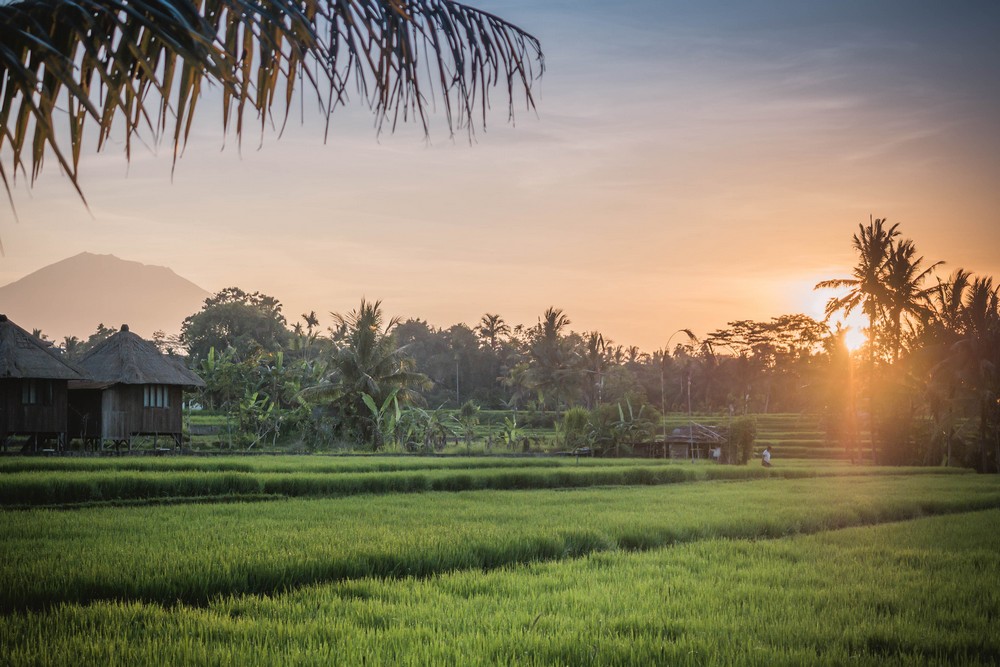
765, 458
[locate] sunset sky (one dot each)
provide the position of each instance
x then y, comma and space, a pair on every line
688, 164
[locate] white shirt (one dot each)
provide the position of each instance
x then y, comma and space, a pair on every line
767, 456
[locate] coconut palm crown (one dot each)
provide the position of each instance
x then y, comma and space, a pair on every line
365, 361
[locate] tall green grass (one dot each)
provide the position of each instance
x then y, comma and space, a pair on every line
914, 593
284, 464
194, 553
69, 487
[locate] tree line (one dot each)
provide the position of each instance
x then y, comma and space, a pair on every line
927, 385
923, 389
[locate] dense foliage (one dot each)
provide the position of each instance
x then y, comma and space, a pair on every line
923, 389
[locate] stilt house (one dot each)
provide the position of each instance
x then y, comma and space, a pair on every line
130, 389
33, 388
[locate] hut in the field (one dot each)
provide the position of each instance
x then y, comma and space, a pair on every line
33, 388
695, 441
130, 389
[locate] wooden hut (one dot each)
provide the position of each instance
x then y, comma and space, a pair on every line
33, 388
694, 441
130, 389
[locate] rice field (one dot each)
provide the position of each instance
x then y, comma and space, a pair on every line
829, 564
61, 482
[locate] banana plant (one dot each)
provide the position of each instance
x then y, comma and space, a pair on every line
258, 417
384, 417
511, 433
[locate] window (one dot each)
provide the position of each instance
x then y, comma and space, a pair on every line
36, 392
156, 396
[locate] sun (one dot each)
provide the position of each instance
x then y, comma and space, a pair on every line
854, 323
854, 338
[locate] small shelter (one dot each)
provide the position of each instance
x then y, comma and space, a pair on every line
694, 441
130, 389
33, 387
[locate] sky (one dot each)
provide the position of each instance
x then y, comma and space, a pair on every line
688, 164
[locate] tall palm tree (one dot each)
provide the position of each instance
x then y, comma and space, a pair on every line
552, 324
866, 288
142, 65
492, 329
873, 243
973, 365
948, 300
595, 360
904, 295
311, 320
307, 335
366, 361
553, 373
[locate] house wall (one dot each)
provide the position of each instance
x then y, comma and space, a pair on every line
15, 417
162, 420
123, 413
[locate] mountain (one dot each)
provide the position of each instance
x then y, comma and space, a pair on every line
71, 297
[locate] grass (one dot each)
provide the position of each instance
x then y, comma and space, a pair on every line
919, 593
805, 563
194, 553
31, 482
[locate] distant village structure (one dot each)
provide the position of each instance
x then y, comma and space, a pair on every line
122, 388
33, 388
694, 441
129, 389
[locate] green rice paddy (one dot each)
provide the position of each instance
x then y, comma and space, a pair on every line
646, 563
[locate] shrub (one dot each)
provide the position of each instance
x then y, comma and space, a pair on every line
575, 427
742, 433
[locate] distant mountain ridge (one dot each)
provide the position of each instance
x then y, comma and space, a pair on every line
73, 296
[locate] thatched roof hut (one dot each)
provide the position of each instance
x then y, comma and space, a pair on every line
125, 358
33, 385
24, 356
131, 389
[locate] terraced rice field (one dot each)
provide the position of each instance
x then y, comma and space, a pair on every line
789, 435
646, 563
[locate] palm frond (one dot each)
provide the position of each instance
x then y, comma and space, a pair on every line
142, 64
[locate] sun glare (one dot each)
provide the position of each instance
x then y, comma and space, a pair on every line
855, 323
854, 338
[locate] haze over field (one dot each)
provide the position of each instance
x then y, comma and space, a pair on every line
688, 164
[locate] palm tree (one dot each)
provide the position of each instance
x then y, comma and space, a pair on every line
366, 362
492, 329
311, 320
905, 298
552, 324
949, 298
142, 65
307, 335
975, 362
867, 291
553, 371
595, 361
71, 347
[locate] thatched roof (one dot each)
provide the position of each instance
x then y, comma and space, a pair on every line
25, 356
125, 358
